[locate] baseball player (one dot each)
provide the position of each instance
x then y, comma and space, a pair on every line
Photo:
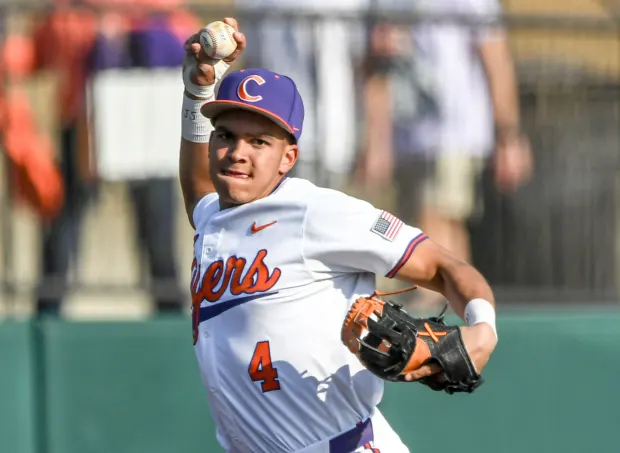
277, 264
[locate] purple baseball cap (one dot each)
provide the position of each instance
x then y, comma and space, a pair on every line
272, 95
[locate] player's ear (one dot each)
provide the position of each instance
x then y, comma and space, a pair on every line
289, 157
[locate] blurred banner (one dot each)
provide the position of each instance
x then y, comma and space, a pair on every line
135, 110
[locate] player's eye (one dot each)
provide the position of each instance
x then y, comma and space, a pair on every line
259, 142
224, 135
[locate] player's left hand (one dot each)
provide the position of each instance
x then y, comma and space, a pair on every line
203, 72
398, 347
479, 340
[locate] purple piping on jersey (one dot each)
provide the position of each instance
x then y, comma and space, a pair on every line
352, 439
211, 311
408, 252
278, 185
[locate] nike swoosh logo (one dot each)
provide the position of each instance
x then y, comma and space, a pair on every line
211, 311
255, 229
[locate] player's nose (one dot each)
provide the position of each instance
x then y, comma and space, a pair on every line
238, 152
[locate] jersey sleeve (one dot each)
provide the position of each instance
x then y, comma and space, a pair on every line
203, 210
344, 234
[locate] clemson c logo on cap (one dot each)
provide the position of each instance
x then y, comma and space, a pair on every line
242, 91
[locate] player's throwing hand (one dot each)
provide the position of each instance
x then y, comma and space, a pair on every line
203, 70
200, 75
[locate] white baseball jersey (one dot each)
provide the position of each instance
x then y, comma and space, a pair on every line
272, 281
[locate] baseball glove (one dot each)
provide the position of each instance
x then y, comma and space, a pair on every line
391, 344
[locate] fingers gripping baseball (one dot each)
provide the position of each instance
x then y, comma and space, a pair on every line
204, 69
238, 37
208, 55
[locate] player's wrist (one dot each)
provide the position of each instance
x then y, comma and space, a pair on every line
197, 91
195, 98
203, 91
195, 127
480, 310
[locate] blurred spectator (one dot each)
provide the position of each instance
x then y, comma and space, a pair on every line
34, 177
61, 39
451, 112
78, 44
319, 55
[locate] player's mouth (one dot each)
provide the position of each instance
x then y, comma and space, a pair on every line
235, 174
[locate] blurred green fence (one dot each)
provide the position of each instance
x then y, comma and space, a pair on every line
134, 387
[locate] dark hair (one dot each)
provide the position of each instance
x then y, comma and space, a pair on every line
290, 138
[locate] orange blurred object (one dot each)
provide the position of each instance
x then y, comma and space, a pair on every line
34, 175
17, 56
61, 41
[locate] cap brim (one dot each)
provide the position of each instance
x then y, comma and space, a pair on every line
215, 108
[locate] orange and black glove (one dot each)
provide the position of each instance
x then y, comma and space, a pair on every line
390, 344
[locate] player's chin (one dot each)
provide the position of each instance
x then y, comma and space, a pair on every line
236, 198
234, 190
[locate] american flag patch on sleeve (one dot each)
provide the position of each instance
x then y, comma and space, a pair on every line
387, 226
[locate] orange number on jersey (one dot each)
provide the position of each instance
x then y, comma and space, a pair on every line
261, 369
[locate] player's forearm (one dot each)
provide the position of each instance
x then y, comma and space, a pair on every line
434, 267
461, 283
194, 173
502, 83
194, 153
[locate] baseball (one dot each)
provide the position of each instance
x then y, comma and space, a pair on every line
217, 40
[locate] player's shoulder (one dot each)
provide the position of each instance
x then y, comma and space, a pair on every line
319, 199
206, 207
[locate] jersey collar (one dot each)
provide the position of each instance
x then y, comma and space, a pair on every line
280, 184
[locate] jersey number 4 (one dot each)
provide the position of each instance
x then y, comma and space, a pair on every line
260, 368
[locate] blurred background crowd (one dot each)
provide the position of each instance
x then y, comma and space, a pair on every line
492, 125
